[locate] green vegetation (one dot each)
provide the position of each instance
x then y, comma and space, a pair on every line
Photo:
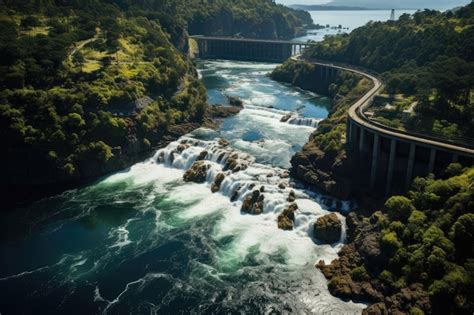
86, 86
346, 89
427, 239
427, 57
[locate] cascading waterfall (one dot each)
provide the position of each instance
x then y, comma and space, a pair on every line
301, 121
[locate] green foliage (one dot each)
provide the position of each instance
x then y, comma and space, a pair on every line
390, 241
359, 274
429, 240
427, 55
398, 208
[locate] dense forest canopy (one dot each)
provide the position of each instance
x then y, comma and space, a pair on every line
86, 84
429, 55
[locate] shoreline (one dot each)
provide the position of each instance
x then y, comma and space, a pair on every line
23, 196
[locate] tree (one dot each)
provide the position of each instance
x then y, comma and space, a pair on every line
398, 208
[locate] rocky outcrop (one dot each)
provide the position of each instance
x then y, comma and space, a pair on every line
197, 172
235, 101
328, 171
328, 228
287, 218
364, 250
234, 164
253, 204
216, 185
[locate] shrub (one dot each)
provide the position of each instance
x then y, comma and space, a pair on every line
360, 274
398, 208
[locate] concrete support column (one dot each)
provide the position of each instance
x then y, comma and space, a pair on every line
431, 163
411, 164
391, 166
375, 157
349, 131
455, 158
361, 141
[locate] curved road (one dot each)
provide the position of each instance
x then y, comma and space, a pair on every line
357, 116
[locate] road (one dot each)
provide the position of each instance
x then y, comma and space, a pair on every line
356, 115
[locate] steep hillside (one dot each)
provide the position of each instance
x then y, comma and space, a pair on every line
426, 58
88, 87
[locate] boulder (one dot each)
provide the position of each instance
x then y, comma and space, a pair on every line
181, 148
235, 101
202, 156
223, 142
291, 196
217, 182
287, 217
376, 309
197, 172
253, 204
328, 228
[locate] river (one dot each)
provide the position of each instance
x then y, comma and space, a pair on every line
144, 241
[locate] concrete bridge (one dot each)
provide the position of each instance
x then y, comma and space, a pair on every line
393, 157
247, 49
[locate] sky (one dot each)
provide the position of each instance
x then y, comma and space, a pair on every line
415, 4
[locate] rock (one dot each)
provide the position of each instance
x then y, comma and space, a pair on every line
202, 156
281, 186
287, 218
262, 189
291, 196
220, 157
285, 175
235, 195
376, 309
197, 172
328, 228
181, 148
253, 204
217, 182
235, 101
223, 142
352, 221
286, 118
234, 165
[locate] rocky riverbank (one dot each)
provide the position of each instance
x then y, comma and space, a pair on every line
323, 162
19, 195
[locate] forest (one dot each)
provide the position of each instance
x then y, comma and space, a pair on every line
87, 86
416, 255
428, 56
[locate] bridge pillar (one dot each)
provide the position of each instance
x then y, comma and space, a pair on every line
375, 157
391, 166
361, 141
431, 163
411, 164
455, 158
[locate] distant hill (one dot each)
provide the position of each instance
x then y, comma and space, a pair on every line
399, 4
325, 7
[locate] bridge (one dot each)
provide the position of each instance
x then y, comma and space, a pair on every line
390, 156
248, 49
394, 157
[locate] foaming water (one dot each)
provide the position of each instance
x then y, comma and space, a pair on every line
145, 241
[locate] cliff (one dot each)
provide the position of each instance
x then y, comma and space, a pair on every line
323, 162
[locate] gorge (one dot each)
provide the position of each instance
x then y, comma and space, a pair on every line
220, 184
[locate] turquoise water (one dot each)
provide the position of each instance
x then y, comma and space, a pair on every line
349, 20
143, 241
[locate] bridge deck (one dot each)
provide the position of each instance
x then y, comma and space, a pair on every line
250, 40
